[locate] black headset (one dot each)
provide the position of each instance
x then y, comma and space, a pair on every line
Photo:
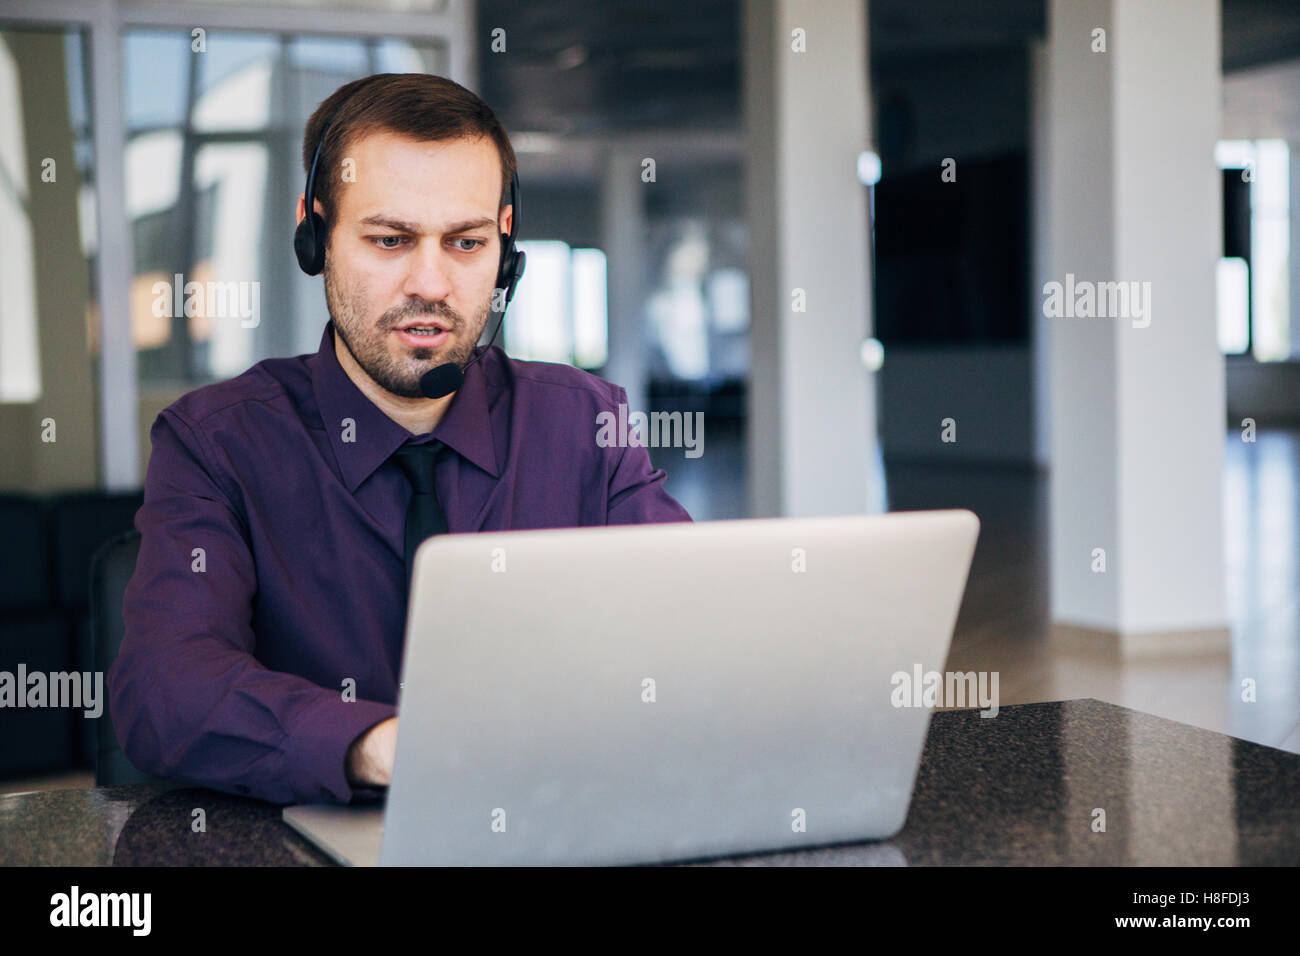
309, 241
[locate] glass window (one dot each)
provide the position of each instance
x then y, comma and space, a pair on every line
590, 316
1254, 288
558, 313
1234, 305
47, 314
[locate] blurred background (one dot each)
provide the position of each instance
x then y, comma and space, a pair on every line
797, 267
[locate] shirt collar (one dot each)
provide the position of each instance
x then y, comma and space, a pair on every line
466, 427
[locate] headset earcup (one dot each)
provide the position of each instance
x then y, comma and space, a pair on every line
511, 268
304, 245
310, 252
506, 271
515, 273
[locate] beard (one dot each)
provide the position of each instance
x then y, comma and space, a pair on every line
371, 344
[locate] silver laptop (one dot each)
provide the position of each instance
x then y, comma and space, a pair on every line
646, 693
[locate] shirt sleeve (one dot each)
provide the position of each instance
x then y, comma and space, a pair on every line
636, 488
187, 695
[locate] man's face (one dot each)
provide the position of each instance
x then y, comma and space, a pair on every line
415, 241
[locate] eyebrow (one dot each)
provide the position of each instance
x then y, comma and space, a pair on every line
401, 225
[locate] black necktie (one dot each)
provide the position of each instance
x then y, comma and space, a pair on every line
424, 516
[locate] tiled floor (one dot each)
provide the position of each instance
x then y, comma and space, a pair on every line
1004, 623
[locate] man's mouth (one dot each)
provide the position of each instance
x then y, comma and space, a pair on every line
423, 334
423, 328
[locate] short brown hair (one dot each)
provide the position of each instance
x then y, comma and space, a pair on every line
419, 105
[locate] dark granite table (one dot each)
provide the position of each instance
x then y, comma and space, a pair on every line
1023, 788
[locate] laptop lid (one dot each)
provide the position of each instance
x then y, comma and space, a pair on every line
658, 692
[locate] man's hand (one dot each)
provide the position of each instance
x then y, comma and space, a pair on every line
369, 761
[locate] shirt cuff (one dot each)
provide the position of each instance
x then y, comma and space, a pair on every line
323, 738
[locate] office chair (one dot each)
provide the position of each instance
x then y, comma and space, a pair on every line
111, 568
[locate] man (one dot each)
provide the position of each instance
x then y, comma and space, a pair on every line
265, 619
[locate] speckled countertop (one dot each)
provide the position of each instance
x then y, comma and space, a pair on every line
1024, 788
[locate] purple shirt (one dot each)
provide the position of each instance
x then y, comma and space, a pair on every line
231, 672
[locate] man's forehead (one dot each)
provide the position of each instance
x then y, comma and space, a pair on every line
464, 154
465, 194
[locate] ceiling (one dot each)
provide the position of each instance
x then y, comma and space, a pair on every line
585, 67
594, 67
1256, 32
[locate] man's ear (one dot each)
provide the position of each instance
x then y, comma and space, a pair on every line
302, 205
507, 218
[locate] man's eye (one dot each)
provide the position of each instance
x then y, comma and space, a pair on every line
479, 242
388, 242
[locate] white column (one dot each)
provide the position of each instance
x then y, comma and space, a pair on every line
1137, 413
811, 428
622, 232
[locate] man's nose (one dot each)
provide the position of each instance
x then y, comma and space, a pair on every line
427, 276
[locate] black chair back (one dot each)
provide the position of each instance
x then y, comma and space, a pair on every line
111, 568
